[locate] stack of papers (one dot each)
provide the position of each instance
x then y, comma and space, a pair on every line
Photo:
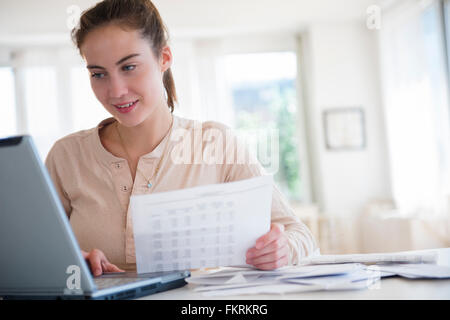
234, 281
403, 257
329, 272
415, 270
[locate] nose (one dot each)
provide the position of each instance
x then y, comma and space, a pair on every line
117, 87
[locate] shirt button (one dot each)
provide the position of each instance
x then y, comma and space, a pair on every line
125, 188
116, 165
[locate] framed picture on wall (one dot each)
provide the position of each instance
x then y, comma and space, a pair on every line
344, 128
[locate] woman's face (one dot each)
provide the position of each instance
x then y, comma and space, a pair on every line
125, 75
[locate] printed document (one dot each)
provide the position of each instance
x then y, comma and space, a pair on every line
349, 276
205, 226
417, 270
368, 258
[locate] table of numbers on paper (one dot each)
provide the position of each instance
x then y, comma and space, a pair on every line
207, 226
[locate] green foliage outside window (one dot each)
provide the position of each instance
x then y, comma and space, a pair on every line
271, 105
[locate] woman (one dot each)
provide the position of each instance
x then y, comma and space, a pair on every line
124, 44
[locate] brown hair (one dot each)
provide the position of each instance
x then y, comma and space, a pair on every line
139, 15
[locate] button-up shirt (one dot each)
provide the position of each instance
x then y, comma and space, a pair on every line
95, 186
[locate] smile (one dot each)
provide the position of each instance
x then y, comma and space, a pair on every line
127, 107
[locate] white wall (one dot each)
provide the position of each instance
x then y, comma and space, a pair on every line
187, 17
342, 71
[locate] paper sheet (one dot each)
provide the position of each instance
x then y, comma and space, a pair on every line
289, 272
352, 279
239, 278
250, 281
355, 280
410, 257
419, 270
206, 226
278, 288
323, 270
231, 281
287, 279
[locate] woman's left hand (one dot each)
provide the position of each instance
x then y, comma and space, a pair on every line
271, 250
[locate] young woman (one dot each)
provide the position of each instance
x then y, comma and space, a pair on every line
124, 44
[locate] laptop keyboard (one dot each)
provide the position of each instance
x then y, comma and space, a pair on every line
103, 283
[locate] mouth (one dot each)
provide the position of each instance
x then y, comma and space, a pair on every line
126, 107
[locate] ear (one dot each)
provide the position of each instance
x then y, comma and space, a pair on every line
165, 59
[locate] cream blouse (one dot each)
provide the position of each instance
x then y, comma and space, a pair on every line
95, 186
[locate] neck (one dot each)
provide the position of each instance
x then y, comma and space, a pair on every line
144, 137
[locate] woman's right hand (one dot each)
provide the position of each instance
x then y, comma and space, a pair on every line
98, 263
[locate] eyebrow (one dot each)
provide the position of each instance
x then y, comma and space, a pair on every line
117, 63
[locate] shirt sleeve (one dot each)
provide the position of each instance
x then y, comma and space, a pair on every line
53, 162
300, 240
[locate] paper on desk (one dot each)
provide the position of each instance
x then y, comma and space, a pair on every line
410, 257
226, 280
225, 276
355, 280
232, 271
250, 281
322, 270
278, 288
287, 279
206, 226
418, 270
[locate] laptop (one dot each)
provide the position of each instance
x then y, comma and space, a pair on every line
41, 258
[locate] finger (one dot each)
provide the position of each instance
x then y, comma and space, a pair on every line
109, 267
96, 265
276, 230
270, 257
273, 265
273, 246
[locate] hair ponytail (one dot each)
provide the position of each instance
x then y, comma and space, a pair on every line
169, 85
139, 15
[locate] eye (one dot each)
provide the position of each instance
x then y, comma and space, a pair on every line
97, 75
129, 67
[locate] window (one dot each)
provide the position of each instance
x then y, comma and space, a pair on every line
87, 110
417, 108
263, 91
42, 111
8, 105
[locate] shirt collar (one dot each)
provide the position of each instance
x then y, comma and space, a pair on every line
109, 158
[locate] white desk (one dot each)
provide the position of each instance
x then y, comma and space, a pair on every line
391, 288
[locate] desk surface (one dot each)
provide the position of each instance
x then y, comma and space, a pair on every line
391, 288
